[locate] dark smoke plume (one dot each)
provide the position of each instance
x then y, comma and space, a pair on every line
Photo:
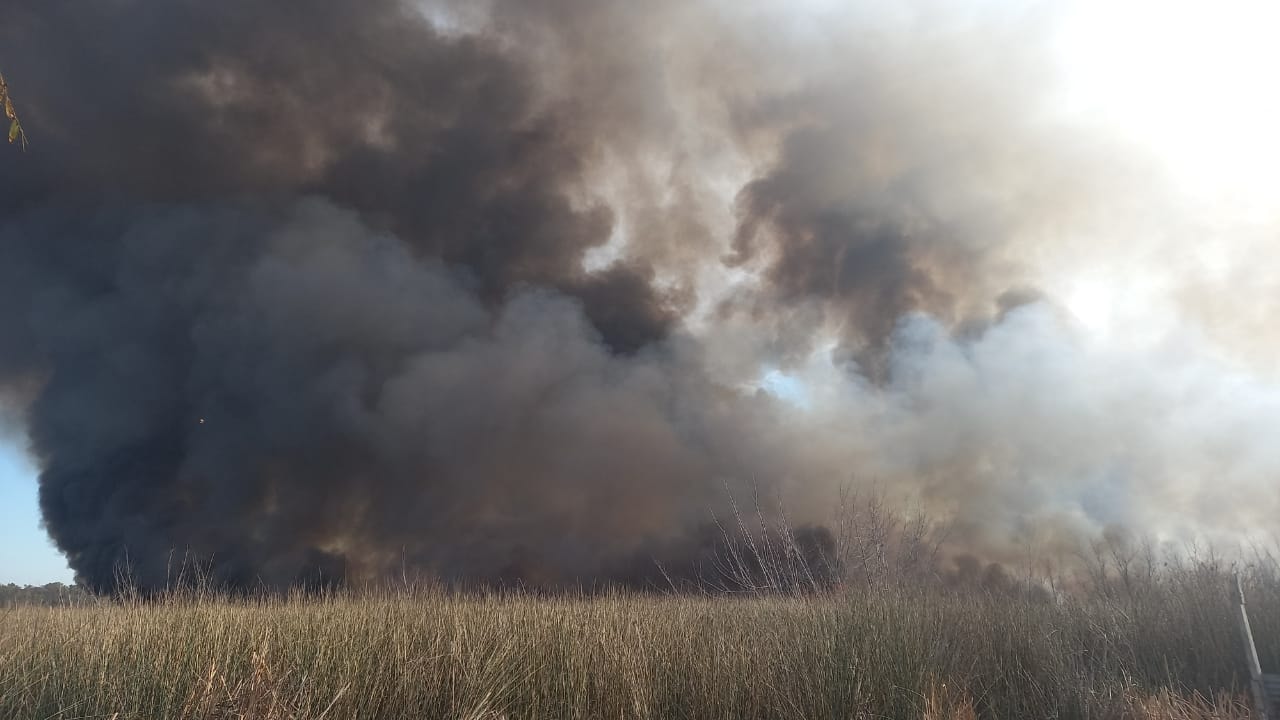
314, 291
232, 366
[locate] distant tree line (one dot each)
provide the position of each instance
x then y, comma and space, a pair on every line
54, 593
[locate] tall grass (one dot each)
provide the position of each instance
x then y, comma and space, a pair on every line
1167, 649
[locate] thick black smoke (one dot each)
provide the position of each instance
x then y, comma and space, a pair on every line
441, 141
309, 291
288, 392
233, 367
304, 292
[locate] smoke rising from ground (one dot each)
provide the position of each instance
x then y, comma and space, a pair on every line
326, 290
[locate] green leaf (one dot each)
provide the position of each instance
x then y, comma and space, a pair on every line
14, 130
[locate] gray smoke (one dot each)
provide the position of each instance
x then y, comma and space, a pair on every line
335, 289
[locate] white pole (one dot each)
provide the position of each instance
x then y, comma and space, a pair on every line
1251, 654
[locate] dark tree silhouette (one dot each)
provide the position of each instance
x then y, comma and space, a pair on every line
52, 594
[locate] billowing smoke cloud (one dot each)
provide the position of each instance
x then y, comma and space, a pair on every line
274, 387
338, 289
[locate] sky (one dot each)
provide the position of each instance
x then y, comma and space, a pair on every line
27, 557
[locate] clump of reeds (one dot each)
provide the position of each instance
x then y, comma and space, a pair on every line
428, 653
865, 621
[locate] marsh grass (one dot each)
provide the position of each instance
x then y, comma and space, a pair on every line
1170, 651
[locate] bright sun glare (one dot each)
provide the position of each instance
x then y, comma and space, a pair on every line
1192, 82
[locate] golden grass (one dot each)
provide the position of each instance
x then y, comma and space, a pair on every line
439, 655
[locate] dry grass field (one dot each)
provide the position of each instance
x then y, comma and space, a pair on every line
1159, 646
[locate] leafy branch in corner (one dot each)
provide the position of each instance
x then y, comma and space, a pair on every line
16, 134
